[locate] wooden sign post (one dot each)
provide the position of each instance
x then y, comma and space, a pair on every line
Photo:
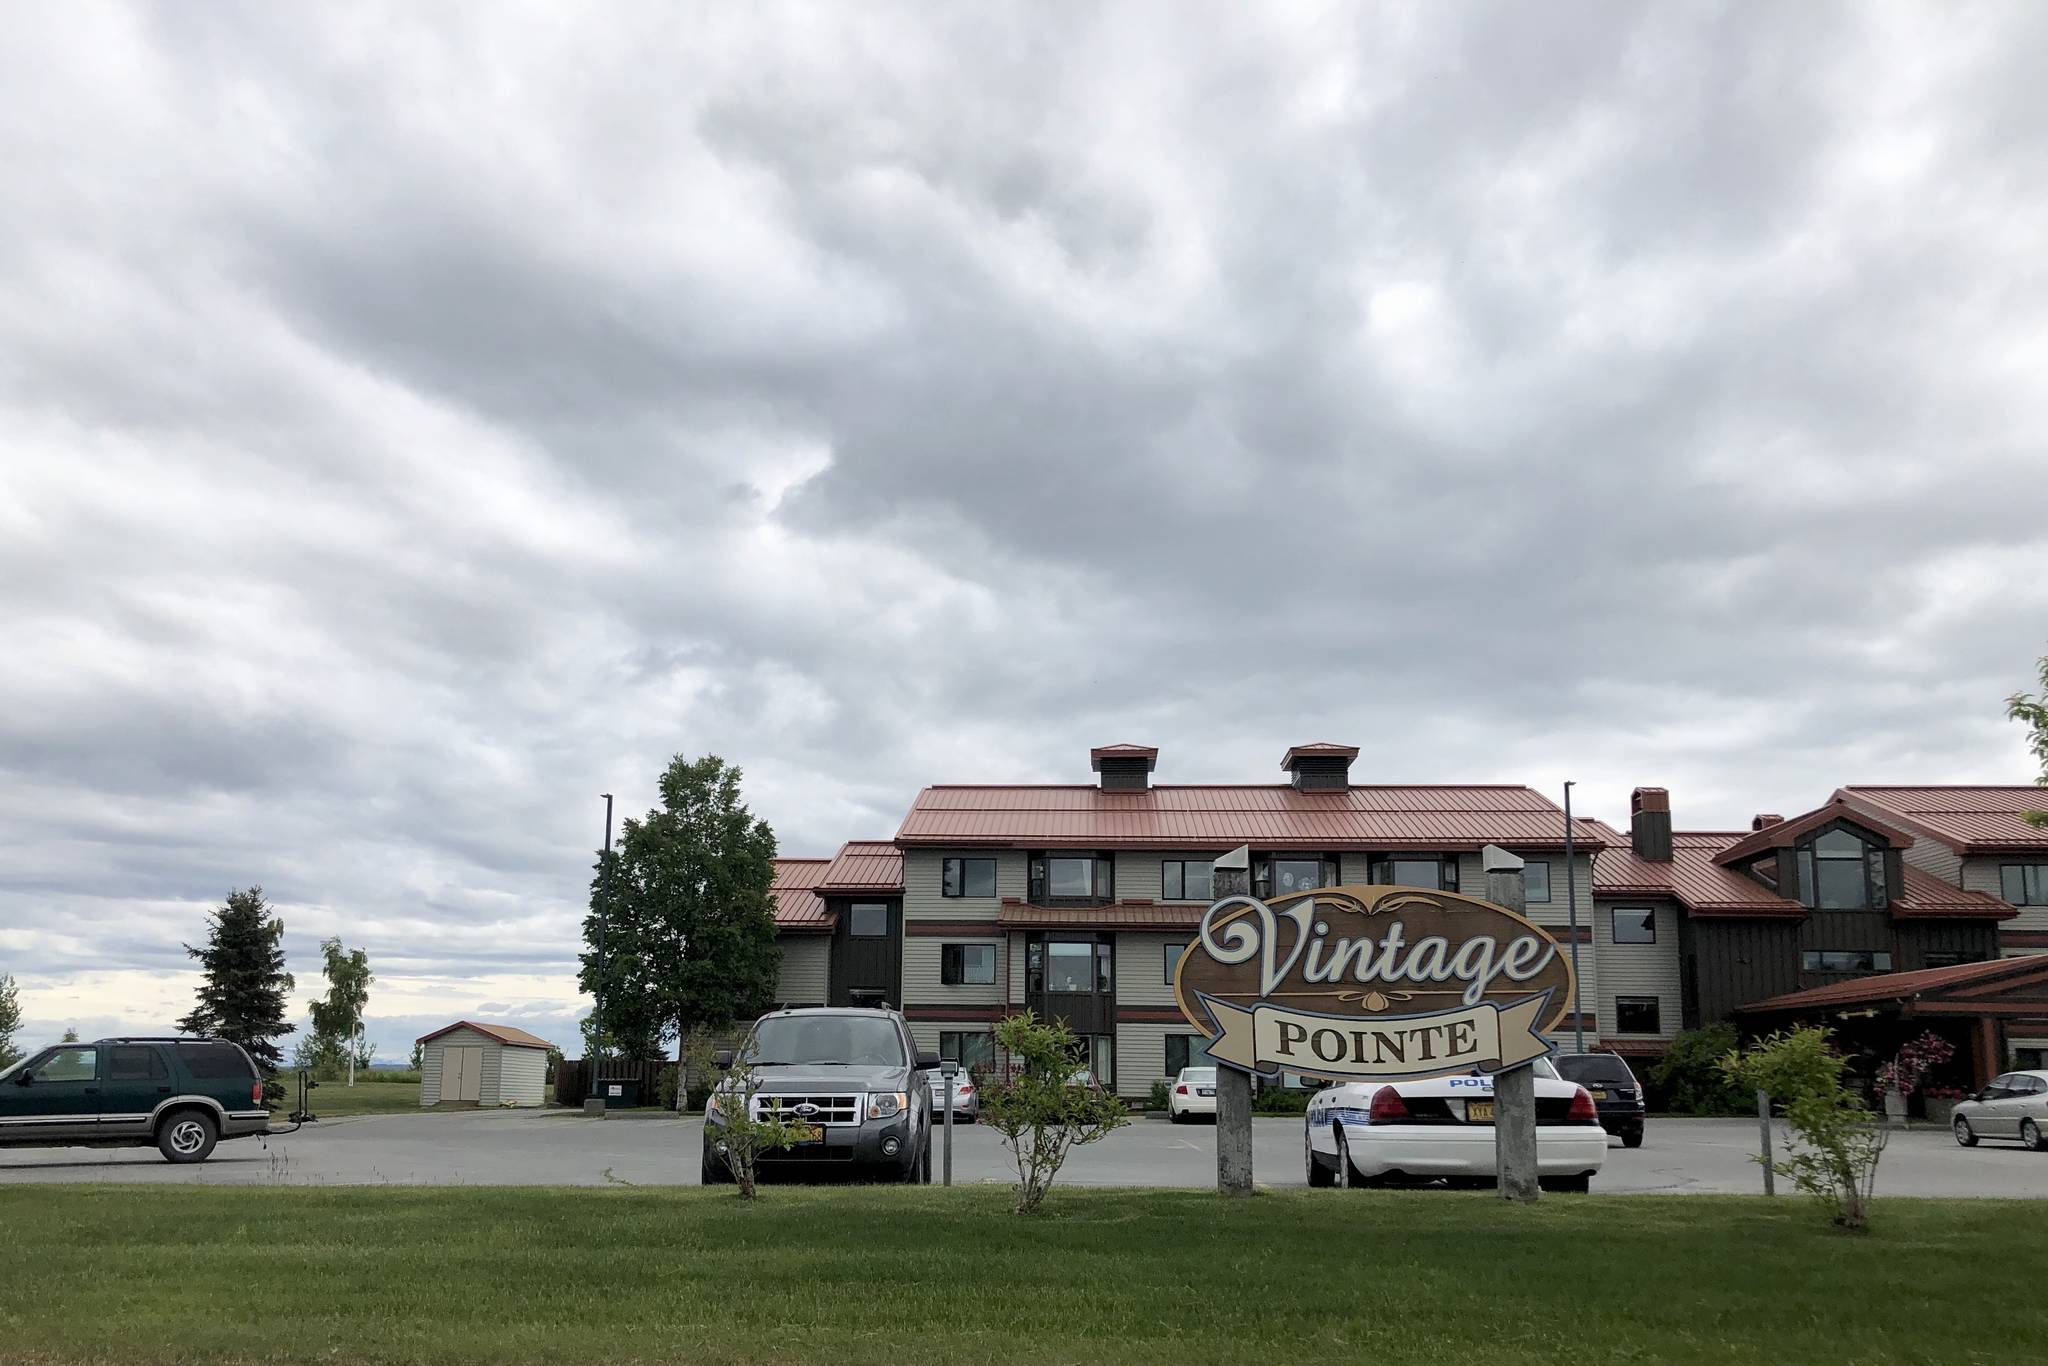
1233, 877
1514, 1088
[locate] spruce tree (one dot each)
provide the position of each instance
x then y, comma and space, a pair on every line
243, 996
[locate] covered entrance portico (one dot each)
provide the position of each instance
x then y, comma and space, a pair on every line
1975, 1006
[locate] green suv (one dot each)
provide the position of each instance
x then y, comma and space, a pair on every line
181, 1096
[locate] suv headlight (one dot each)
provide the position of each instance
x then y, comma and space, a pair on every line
885, 1104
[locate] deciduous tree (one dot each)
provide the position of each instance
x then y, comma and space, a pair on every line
338, 1015
1039, 1109
10, 1020
1838, 1139
2031, 711
689, 937
244, 987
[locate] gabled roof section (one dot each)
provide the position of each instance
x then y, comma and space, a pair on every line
1785, 834
1694, 877
1969, 820
798, 907
510, 1035
870, 866
1964, 981
1274, 816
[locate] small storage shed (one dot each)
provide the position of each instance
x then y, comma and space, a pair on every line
483, 1065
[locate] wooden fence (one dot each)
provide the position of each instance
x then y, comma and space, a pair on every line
571, 1086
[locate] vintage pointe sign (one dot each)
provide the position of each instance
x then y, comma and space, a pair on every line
1372, 982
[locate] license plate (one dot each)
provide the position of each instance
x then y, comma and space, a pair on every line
1204, 1091
1599, 1094
1479, 1112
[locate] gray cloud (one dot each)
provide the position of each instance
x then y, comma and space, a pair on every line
417, 424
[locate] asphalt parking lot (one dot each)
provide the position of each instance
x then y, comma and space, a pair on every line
498, 1148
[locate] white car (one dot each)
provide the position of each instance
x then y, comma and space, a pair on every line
1193, 1093
1385, 1132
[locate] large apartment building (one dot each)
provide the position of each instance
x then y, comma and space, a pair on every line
1075, 900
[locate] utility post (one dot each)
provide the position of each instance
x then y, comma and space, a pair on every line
949, 1069
1233, 1088
1571, 901
1514, 1090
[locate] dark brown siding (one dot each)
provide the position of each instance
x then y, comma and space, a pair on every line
1975, 940
1730, 962
866, 964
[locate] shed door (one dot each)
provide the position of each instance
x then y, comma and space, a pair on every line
462, 1073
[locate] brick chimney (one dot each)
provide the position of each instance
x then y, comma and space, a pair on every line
1124, 768
1649, 823
1764, 819
1321, 767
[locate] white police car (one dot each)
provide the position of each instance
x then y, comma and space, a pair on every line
1389, 1132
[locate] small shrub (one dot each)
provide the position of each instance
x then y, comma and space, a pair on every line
746, 1136
698, 1095
1689, 1079
1280, 1100
1038, 1111
665, 1088
1839, 1140
1161, 1097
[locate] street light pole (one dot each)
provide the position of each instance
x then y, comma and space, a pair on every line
604, 911
1571, 901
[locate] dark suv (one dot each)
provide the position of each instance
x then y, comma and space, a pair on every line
1617, 1095
180, 1095
853, 1074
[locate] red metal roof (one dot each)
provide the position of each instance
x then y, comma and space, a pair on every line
1222, 817
505, 1034
1899, 986
1785, 834
1321, 749
798, 907
1927, 897
1694, 878
865, 866
1122, 915
1969, 820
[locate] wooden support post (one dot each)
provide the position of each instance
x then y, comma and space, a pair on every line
1514, 1090
1233, 877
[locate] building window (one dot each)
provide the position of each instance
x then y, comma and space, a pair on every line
1839, 872
1636, 1015
1173, 953
1635, 925
1102, 1059
1845, 960
969, 877
1186, 1050
1437, 874
967, 965
870, 920
968, 1049
1946, 958
1536, 878
2024, 884
1187, 879
1071, 877
1287, 874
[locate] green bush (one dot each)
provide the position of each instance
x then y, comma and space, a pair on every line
1280, 1100
1689, 1080
665, 1089
388, 1074
1837, 1139
1161, 1097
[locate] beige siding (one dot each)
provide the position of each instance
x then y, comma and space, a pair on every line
1637, 970
1982, 875
1931, 856
924, 886
430, 1065
522, 1076
806, 969
921, 967
1141, 969
1141, 1054
493, 1073
1140, 877
1015, 951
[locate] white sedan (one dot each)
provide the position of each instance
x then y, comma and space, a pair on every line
1385, 1132
1193, 1093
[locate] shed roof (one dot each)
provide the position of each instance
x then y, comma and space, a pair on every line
865, 866
1121, 915
798, 907
1221, 817
1903, 986
1969, 820
509, 1035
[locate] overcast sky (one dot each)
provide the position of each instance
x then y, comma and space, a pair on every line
417, 421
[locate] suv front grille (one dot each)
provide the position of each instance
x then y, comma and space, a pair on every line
832, 1111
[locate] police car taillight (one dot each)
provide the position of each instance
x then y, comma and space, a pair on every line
1387, 1106
1582, 1111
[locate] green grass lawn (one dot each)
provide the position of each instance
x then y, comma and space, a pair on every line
337, 1099
109, 1273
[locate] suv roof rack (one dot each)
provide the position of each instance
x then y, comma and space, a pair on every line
158, 1038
